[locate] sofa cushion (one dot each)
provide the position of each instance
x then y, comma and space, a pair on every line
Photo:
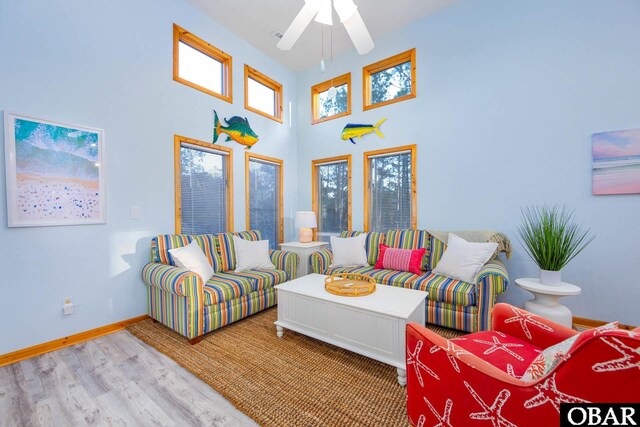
411, 239
225, 287
370, 245
503, 351
400, 279
161, 244
355, 270
227, 250
263, 278
445, 289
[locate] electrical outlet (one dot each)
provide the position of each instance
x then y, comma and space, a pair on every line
67, 300
68, 307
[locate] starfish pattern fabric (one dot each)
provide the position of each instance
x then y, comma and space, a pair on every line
525, 318
548, 392
630, 357
414, 361
493, 412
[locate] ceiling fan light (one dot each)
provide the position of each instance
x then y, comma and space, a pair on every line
325, 13
345, 9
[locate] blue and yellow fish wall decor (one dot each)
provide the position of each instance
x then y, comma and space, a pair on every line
352, 130
237, 129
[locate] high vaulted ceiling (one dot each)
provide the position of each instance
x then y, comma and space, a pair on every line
257, 20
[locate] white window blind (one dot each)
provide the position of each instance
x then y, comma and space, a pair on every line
333, 199
390, 191
203, 190
264, 200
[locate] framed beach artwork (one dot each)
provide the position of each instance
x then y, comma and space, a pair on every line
55, 173
616, 162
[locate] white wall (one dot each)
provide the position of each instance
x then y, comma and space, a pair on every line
509, 94
109, 65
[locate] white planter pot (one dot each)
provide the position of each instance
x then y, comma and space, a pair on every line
550, 278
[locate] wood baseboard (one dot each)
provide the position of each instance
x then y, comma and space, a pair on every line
591, 323
36, 350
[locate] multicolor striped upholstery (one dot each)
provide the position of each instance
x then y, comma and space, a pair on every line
227, 249
355, 270
286, 261
446, 289
371, 244
411, 239
225, 287
452, 303
217, 316
161, 244
262, 278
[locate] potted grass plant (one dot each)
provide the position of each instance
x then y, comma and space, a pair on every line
552, 239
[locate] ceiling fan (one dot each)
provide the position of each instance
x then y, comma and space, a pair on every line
321, 9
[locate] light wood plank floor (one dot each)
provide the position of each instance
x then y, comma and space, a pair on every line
112, 380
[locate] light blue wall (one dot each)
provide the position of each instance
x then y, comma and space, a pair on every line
509, 93
108, 65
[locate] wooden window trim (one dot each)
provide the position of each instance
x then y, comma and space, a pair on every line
247, 186
324, 86
414, 191
367, 71
182, 35
177, 143
252, 73
314, 187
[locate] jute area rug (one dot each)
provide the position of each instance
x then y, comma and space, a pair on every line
291, 381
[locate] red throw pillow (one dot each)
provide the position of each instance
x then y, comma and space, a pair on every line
400, 259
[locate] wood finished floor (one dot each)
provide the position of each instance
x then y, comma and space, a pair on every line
114, 380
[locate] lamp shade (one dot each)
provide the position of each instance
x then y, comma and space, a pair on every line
306, 219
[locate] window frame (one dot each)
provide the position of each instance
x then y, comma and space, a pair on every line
228, 155
367, 187
314, 188
247, 189
252, 73
317, 89
184, 36
376, 67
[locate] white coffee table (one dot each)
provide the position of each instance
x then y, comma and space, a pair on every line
545, 300
372, 325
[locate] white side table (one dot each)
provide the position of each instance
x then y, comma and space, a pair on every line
303, 250
545, 300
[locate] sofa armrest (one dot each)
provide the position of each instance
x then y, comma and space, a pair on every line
521, 324
319, 261
175, 280
491, 280
285, 260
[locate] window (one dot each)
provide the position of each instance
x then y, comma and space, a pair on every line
263, 180
390, 189
262, 95
331, 190
325, 105
202, 186
201, 65
390, 80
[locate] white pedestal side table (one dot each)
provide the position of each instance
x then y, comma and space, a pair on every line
303, 250
545, 300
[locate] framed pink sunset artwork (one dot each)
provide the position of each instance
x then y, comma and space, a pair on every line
616, 162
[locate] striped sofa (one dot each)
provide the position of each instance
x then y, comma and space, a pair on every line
451, 303
178, 299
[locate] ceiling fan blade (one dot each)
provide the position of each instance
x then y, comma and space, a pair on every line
301, 21
359, 34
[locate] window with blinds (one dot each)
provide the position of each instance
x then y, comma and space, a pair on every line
264, 197
390, 201
332, 196
203, 184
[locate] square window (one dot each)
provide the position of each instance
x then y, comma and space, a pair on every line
201, 65
390, 80
262, 94
331, 99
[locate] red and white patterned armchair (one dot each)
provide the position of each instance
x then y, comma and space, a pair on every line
476, 379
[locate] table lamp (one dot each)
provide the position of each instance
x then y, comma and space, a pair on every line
305, 220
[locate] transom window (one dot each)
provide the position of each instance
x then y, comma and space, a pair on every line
264, 198
203, 199
331, 190
390, 80
331, 99
201, 65
390, 189
262, 94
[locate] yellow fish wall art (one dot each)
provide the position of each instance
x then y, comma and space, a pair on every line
352, 130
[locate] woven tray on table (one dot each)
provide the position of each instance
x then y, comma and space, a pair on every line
349, 284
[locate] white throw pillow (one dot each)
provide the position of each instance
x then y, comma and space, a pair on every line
192, 258
463, 260
349, 251
251, 255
